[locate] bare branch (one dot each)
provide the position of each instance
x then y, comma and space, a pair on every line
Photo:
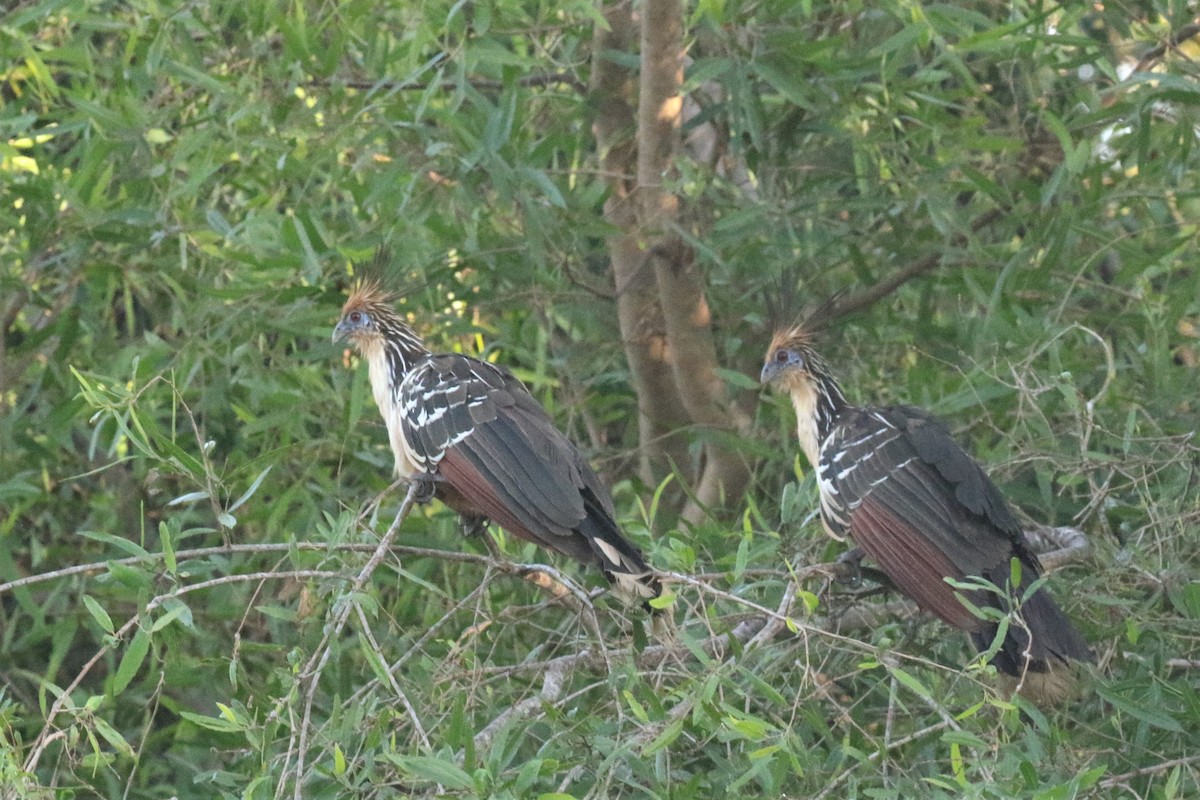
1125, 777
855, 301
509, 567
391, 678
681, 289
553, 681
1172, 42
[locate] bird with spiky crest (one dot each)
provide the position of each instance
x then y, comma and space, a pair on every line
485, 447
893, 480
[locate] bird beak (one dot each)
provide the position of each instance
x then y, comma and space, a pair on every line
340, 330
769, 371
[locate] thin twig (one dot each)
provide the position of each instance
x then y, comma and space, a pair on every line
1172, 42
311, 674
508, 567
552, 688
45, 736
540, 80
876, 755
408, 707
1118, 780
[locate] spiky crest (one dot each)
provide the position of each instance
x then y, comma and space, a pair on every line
797, 337
369, 294
802, 333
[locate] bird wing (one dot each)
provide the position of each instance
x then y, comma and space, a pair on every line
477, 426
898, 484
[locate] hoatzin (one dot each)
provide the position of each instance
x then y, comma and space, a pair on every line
485, 447
895, 482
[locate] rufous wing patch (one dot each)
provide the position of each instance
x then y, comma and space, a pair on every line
912, 562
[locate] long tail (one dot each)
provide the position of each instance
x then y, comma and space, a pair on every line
1039, 650
620, 560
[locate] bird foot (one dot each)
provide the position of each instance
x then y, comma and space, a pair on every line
426, 488
473, 525
850, 567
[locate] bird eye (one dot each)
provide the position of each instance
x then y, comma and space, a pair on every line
781, 356
356, 317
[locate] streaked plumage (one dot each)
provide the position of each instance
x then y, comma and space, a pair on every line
895, 482
487, 445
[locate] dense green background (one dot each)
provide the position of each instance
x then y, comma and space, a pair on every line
183, 190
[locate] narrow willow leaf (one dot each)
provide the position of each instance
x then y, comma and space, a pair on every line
135, 654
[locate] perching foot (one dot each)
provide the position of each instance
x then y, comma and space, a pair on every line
473, 524
426, 488
850, 567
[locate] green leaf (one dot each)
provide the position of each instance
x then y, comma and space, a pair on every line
637, 708
110, 735
907, 680
190, 497
665, 600
249, 492
748, 726
175, 610
666, 738
99, 614
119, 542
339, 760
218, 724
131, 661
738, 380
168, 548
1150, 715
435, 770
282, 613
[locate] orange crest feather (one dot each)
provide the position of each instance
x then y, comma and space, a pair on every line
797, 337
368, 293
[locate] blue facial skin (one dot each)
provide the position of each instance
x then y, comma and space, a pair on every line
353, 322
781, 360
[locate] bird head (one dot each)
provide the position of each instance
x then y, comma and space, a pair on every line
363, 315
791, 363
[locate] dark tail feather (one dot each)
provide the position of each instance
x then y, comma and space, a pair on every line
1047, 641
621, 561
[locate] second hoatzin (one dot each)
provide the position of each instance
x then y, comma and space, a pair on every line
486, 446
894, 481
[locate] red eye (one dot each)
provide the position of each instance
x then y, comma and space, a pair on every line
781, 356
355, 317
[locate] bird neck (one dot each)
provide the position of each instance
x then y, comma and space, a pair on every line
389, 359
818, 403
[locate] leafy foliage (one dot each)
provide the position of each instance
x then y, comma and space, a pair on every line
187, 468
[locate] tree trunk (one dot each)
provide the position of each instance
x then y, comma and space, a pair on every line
693, 354
661, 414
